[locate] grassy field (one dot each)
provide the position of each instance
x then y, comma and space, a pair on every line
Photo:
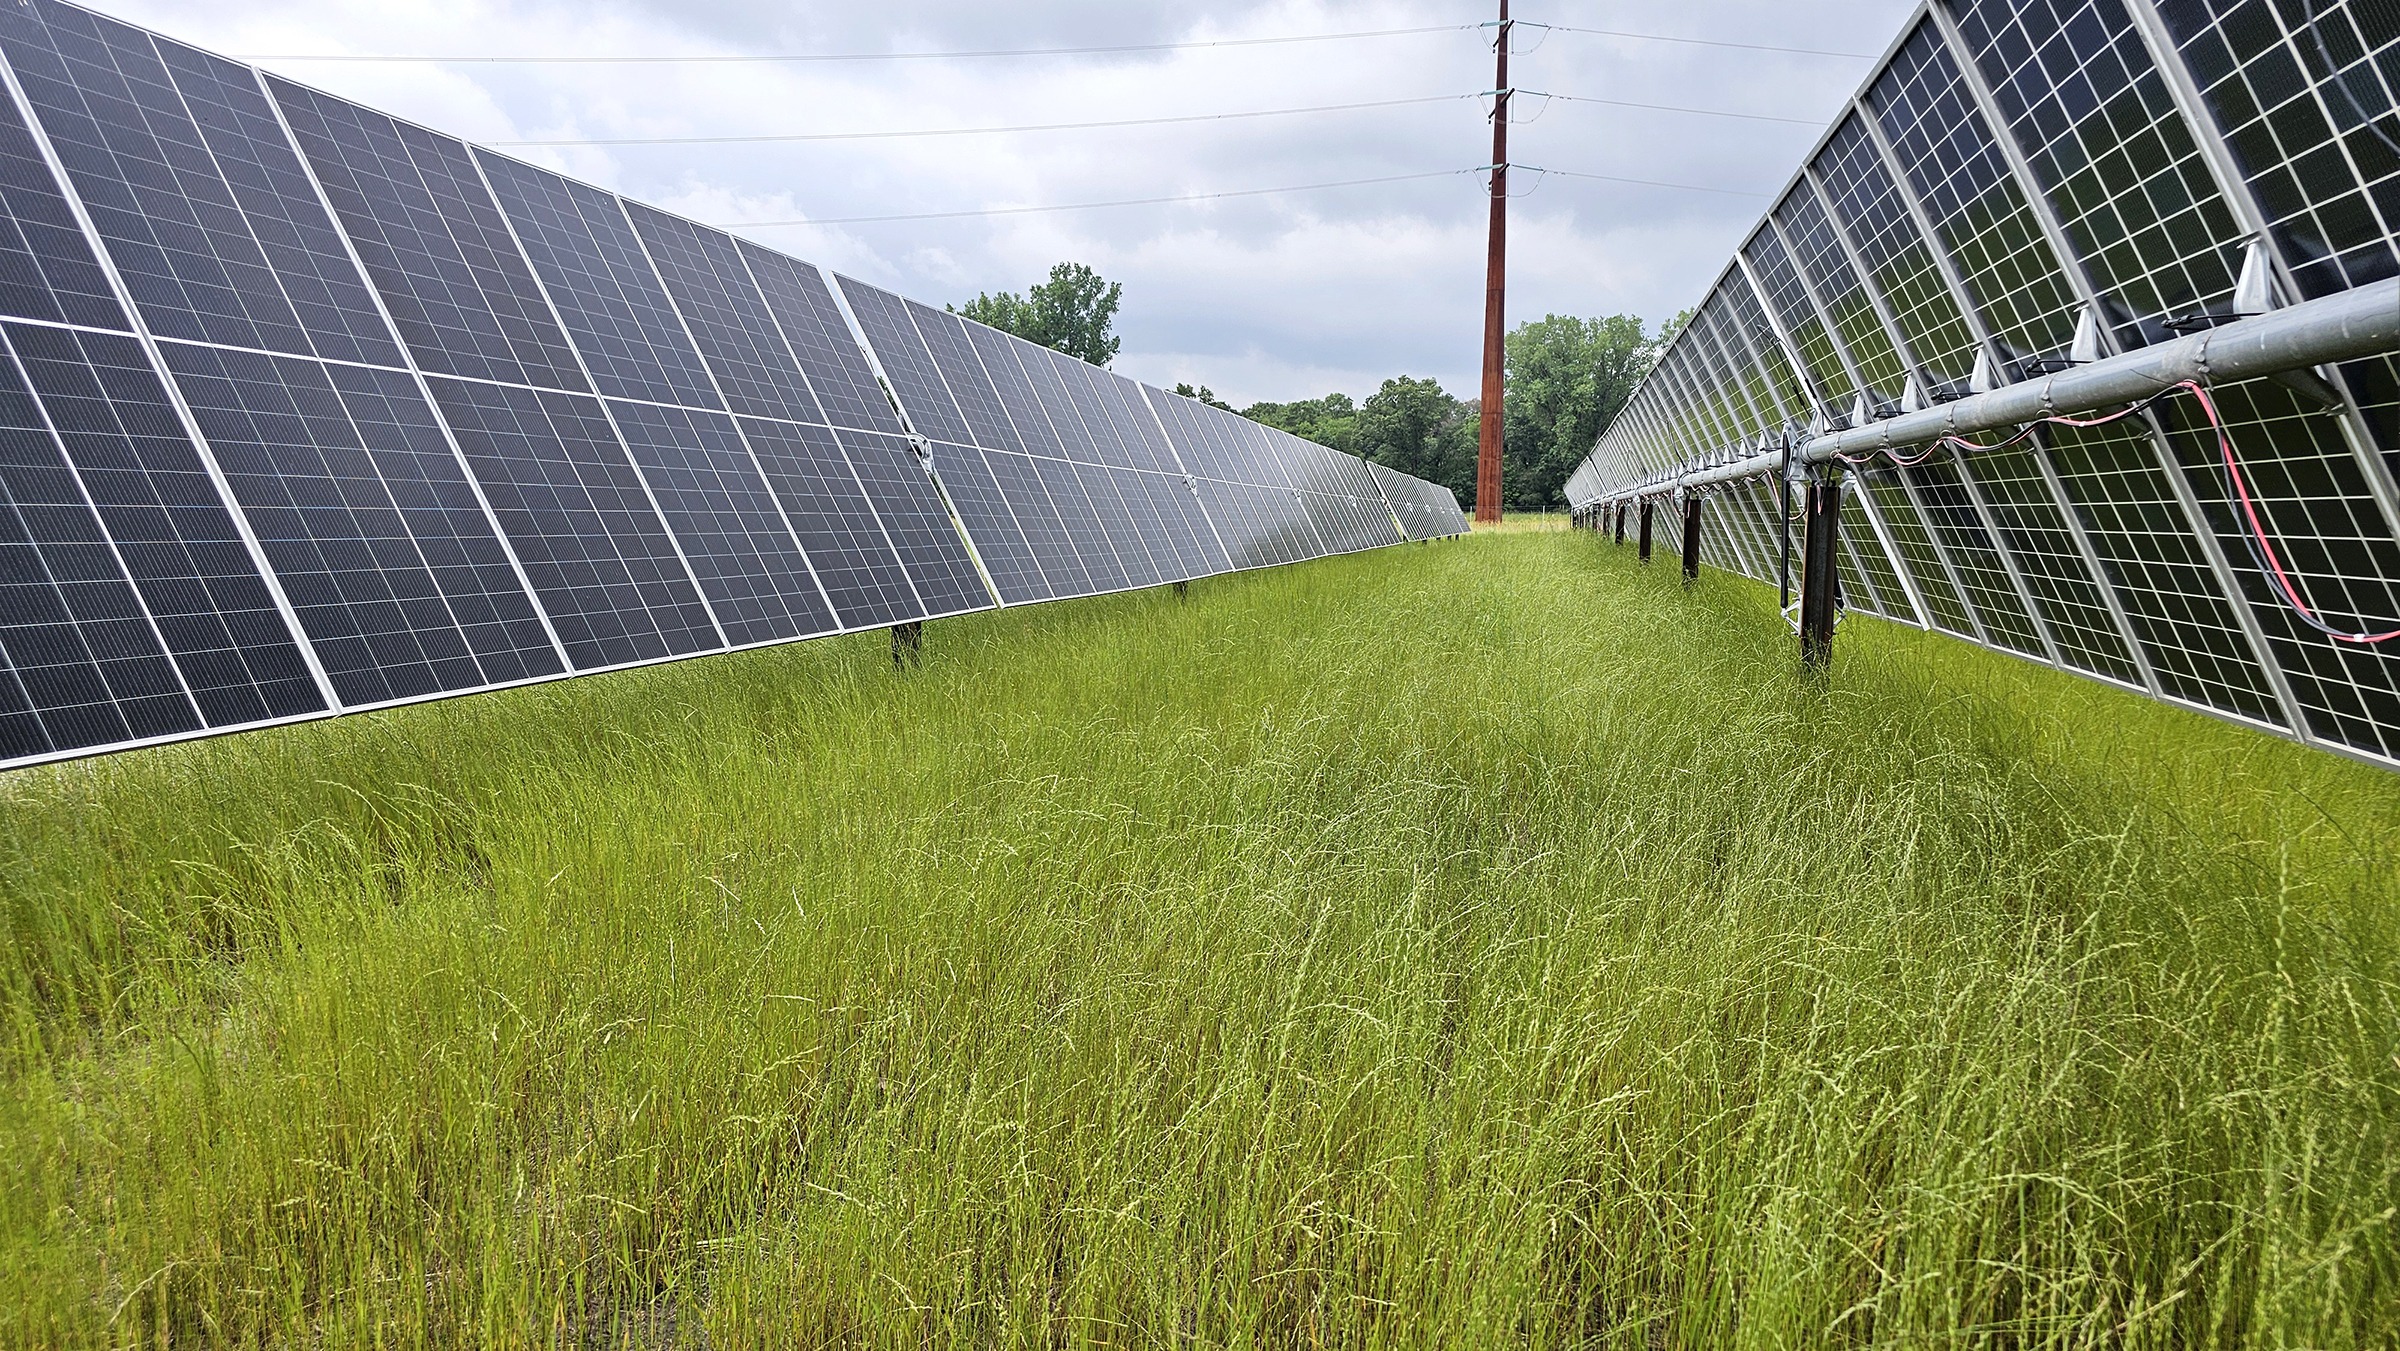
1484, 944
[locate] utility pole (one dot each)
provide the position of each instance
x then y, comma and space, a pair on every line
1495, 298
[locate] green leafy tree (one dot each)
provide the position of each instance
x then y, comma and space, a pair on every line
1329, 421
1203, 394
1075, 312
1416, 427
1567, 378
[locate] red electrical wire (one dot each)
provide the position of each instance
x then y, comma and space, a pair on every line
2263, 544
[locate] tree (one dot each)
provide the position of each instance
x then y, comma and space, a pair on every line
1329, 421
1414, 426
1204, 395
1567, 379
1073, 312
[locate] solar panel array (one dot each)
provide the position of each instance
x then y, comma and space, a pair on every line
306, 410
2016, 170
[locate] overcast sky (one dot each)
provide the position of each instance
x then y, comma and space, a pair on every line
1264, 297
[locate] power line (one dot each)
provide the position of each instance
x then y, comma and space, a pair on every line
1129, 122
989, 131
1675, 108
876, 56
1219, 196
1108, 50
1641, 182
1093, 206
1697, 42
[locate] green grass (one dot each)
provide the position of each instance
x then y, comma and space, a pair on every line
1486, 944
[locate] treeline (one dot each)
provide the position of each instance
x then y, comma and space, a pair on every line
1567, 377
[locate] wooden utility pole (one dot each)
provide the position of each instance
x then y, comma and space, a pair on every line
1495, 298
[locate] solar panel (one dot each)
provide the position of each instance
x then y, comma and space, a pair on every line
732, 533
305, 409
613, 302
109, 412
569, 501
294, 450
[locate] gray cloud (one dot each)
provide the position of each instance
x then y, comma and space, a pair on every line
1261, 297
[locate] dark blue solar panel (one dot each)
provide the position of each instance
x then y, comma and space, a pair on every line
714, 293
733, 534
452, 531
149, 183
919, 525
962, 373
316, 502
829, 511
1148, 525
575, 512
174, 533
1197, 552
813, 325
47, 268
1082, 387
281, 207
915, 379
602, 284
433, 241
83, 666
999, 541
1046, 533
1043, 369
1082, 523
1117, 522
1192, 447
1136, 429
1236, 521
1018, 397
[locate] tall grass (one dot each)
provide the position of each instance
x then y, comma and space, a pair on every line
1478, 944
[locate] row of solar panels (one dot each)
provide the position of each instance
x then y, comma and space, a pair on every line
306, 410
2025, 185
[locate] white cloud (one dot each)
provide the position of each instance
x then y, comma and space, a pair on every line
1259, 297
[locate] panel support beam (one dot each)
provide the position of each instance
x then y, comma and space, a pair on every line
1820, 584
1691, 539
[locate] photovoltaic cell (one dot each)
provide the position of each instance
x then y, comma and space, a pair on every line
433, 242
718, 507
836, 524
1093, 551
907, 363
159, 505
47, 267
962, 374
571, 505
919, 525
602, 284
317, 503
149, 183
84, 667
727, 315
813, 326
990, 523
